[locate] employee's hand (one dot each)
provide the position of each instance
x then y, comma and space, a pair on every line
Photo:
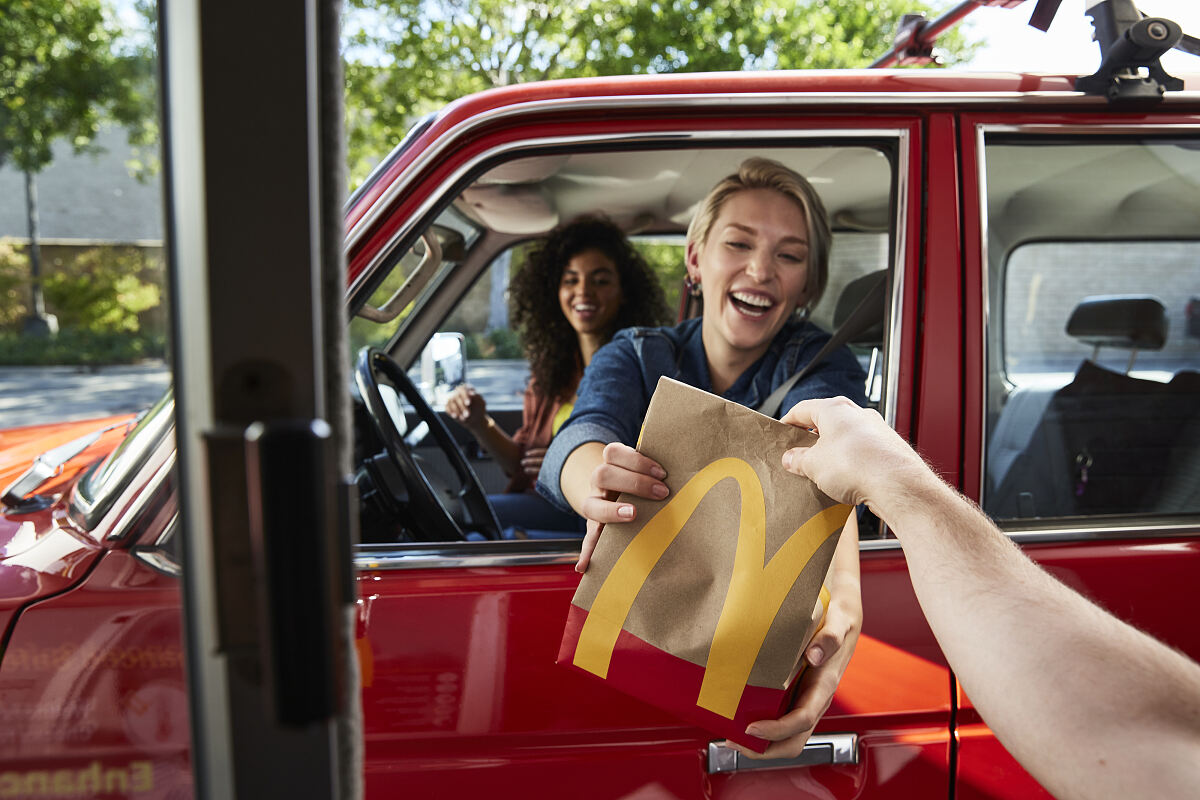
466, 406
623, 469
857, 458
531, 462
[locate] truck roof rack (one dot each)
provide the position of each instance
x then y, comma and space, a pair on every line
1131, 45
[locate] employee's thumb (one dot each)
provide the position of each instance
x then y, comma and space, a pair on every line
794, 460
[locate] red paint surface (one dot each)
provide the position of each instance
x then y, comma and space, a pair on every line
19, 446
474, 688
986, 771
95, 676
938, 400
41, 554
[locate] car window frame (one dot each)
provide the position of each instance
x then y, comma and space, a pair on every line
1056, 529
897, 132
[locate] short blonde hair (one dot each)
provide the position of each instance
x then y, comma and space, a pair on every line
763, 173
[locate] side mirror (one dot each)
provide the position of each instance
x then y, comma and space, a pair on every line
443, 366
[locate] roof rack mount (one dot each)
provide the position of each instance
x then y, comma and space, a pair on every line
1130, 45
1130, 48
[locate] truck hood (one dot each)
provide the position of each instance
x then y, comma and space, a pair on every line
20, 446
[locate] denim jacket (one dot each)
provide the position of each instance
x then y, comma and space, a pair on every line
616, 387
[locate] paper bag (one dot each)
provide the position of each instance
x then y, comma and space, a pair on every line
704, 604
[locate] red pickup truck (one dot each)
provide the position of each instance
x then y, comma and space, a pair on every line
1039, 248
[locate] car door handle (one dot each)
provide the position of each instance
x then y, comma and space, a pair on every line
827, 748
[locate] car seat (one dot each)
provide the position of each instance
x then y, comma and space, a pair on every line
853, 294
1105, 441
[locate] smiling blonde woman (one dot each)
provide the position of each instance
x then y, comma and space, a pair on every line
757, 254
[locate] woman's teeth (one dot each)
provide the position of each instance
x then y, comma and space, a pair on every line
754, 305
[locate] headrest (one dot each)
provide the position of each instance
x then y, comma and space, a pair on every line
853, 294
1126, 320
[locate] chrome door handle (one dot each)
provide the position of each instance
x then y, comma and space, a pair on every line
827, 748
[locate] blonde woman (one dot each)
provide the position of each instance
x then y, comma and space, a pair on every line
758, 255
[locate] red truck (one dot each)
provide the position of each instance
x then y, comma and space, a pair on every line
1039, 249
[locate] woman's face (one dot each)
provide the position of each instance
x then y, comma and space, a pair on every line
589, 292
752, 268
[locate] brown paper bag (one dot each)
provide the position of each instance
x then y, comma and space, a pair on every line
703, 606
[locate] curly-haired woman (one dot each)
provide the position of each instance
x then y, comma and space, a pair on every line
579, 287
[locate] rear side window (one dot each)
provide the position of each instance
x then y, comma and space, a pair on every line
1093, 401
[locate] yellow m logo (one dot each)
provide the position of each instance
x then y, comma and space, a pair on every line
757, 588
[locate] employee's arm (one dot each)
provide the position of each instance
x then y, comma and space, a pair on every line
1089, 705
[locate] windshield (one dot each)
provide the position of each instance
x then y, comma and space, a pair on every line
102, 483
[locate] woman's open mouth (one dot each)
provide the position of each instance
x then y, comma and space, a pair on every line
751, 304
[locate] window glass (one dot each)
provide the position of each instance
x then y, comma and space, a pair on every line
1094, 357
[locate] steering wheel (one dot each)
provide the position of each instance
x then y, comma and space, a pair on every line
428, 505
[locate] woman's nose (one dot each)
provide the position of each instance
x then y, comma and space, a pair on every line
760, 266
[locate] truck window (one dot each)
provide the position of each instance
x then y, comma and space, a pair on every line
517, 203
1093, 362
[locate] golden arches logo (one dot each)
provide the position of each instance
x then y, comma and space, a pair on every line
756, 591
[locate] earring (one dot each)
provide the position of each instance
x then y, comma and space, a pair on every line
692, 287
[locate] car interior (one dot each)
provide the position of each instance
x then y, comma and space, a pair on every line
1093, 375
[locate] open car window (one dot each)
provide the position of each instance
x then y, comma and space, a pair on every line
651, 194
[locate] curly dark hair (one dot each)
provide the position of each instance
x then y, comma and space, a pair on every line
550, 342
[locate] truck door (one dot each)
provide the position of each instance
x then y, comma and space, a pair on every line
1083, 384
458, 638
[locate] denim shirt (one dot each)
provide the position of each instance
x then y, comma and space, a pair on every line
616, 387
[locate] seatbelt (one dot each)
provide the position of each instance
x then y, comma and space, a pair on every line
868, 311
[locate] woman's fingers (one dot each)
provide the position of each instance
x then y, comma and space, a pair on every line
531, 462
459, 402
589, 544
833, 634
626, 470
622, 455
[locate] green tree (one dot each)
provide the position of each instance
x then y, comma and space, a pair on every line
405, 58
64, 68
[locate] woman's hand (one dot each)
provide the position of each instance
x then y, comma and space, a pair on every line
828, 654
466, 406
531, 462
622, 469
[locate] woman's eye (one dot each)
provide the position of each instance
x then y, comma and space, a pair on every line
737, 245
794, 258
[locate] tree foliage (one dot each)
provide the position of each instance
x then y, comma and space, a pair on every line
102, 288
405, 58
64, 68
